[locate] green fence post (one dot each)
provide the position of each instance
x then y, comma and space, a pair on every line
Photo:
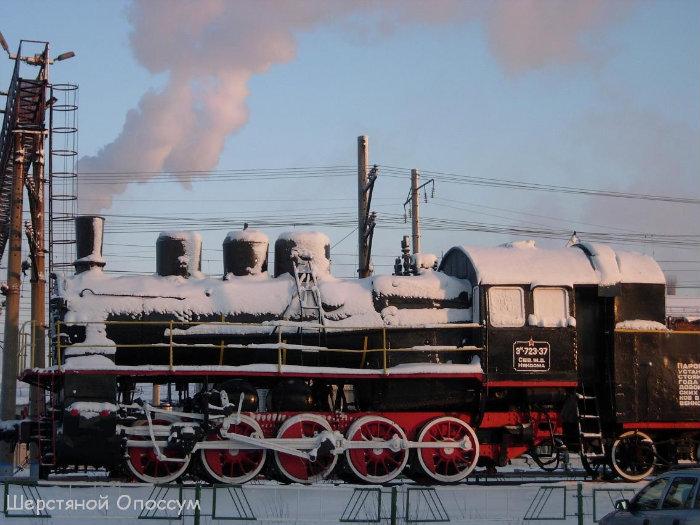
197, 498
394, 506
579, 502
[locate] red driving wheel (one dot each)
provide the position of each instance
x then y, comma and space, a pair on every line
234, 465
376, 464
143, 462
453, 463
301, 470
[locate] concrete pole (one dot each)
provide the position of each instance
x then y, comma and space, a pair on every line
10, 355
415, 207
362, 204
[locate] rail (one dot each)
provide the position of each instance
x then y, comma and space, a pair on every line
222, 329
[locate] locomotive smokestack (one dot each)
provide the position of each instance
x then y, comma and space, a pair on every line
179, 253
88, 243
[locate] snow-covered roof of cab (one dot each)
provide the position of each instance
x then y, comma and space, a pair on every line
523, 262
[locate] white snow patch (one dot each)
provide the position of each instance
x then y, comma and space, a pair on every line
506, 306
247, 235
639, 268
96, 342
474, 367
641, 324
521, 245
551, 307
421, 316
523, 262
89, 362
312, 244
604, 261
424, 261
92, 296
427, 285
90, 409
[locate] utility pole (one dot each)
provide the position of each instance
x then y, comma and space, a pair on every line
366, 221
362, 203
415, 207
413, 198
14, 267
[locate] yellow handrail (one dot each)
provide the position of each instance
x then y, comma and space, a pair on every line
281, 348
170, 346
384, 349
58, 344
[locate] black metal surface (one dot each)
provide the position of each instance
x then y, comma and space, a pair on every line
641, 301
529, 353
172, 257
88, 253
240, 256
657, 376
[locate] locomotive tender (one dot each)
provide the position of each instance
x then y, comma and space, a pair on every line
496, 353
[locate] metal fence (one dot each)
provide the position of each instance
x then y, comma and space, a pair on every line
271, 503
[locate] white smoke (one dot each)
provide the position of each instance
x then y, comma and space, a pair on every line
210, 49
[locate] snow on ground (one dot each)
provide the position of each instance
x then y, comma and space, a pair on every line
496, 501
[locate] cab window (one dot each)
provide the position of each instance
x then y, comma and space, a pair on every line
506, 306
550, 307
650, 496
678, 494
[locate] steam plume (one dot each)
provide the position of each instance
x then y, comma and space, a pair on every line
211, 48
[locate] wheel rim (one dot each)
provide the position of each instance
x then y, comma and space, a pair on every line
234, 466
376, 465
448, 464
300, 470
633, 455
145, 465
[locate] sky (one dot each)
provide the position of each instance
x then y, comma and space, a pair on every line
588, 94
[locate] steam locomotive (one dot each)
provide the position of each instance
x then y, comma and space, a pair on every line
295, 374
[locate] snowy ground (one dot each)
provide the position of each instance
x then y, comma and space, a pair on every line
510, 499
